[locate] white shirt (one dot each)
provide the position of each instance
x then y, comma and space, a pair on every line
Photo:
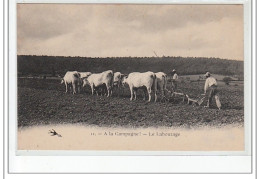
209, 82
175, 76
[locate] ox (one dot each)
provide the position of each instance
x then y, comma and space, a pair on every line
137, 80
161, 82
71, 78
117, 82
96, 80
83, 75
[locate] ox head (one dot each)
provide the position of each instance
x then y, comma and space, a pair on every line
85, 79
85, 82
62, 81
88, 74
124, 81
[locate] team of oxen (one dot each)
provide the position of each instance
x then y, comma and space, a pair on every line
107, 81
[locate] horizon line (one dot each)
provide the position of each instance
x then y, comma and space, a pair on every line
134, 57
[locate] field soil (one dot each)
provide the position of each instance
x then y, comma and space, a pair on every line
44, 102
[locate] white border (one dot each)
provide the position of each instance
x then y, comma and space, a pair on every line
215, 164
138, 1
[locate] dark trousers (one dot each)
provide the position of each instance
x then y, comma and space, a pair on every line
213, 92
174, 85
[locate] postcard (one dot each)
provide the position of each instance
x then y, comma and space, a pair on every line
132, 79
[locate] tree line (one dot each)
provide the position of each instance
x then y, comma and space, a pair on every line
58, 65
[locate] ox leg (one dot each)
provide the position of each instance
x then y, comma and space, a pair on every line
118, 91
97, 90
74, 88
108, 90
135, 91
79, 89
163, 92
70, 88
164, 89
117, 88
144, 95
149, 93
103, 91
66, 87
155, 96
92, 89
111, 92
131, 90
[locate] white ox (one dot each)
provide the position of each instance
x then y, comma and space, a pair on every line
96, 80
83, 75
161, 82
137, 80
117, 79
117, 82
71, 78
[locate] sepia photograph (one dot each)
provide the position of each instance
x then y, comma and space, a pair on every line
130, 77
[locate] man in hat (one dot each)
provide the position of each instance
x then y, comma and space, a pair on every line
211, 88
174, 79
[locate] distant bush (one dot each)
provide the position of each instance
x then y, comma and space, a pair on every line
227, 80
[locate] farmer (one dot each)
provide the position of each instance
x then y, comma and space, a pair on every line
174, 80
211, 88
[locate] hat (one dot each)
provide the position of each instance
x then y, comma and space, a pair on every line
207, 74
173, 70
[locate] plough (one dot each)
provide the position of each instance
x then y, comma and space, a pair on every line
171, 95
198, 100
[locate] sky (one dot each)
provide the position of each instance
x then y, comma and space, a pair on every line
92, 30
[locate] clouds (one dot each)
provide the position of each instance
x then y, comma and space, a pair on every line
130, 30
